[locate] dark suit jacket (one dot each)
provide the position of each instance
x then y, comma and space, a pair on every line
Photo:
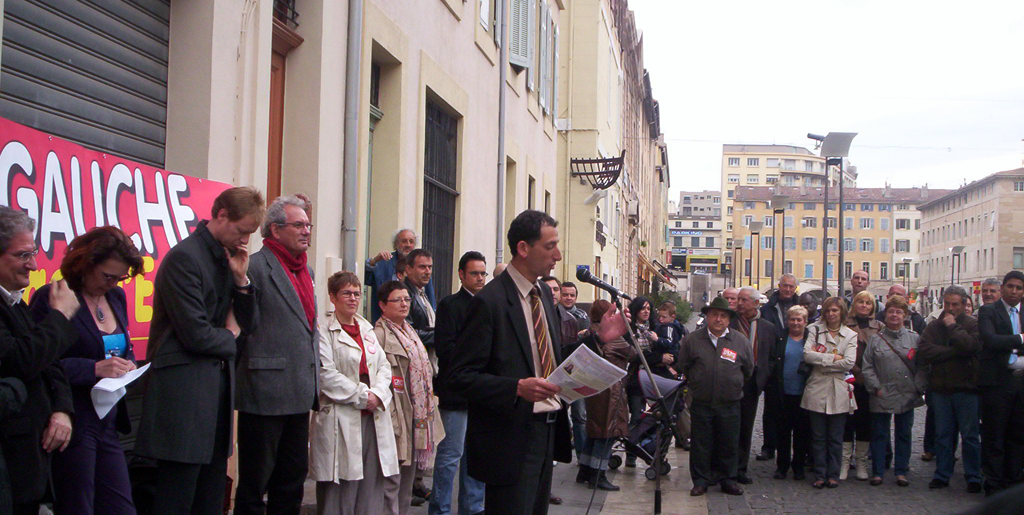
189, 348
418, 318
277, 370
765, 341
30, 351
492, 354
12, 398
997, 340
80, 361
450, 322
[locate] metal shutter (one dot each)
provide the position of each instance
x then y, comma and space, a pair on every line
90, 71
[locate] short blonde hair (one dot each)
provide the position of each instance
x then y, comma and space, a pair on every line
865, 295
796, 310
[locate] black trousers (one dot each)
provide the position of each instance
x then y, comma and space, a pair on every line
748, 415
1002, 440
794, 435
529, 495
714, 442
858, 425
198, 489
827, 444
273, 459
769, 421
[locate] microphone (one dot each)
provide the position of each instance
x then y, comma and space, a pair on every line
584, 275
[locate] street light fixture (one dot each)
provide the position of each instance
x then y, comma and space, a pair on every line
737, 265
835, 146
906, 274
755, 230
779, 203
957, 250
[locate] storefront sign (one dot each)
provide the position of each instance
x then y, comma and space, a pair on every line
684, 232
703, 252
69, 189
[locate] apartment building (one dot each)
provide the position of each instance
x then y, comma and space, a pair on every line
695, 233
972, 233
871, 241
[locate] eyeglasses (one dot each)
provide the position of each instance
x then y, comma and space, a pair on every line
298, 225
111, 278
402, 300
26, 256
479, 274
350, 294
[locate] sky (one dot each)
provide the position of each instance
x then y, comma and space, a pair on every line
934, 89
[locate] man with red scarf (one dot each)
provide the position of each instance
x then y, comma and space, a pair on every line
277, 367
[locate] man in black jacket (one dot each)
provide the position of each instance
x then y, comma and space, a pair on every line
421, 312
451, 320
509, 347
762, 337
29, 353
775, 312
1000, 382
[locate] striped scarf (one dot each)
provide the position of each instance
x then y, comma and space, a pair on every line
419, 382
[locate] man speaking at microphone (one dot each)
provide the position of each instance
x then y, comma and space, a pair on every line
510, 345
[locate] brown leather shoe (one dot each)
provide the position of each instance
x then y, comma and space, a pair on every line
731, 488
698, 491
554, 499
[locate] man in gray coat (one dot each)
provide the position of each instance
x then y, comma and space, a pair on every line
203, 302
277, 367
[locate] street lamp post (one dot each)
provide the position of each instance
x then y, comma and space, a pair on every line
956, 251
737, 266
834, 147
906, 274
779, 203
755, 230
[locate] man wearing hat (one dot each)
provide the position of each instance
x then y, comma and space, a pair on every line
716, 362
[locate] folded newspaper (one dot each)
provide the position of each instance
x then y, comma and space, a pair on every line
583, 374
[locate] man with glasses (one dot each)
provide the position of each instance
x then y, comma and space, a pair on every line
29, 354
277, 367
451, 320
382, 268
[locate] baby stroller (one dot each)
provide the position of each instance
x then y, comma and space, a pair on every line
657, 419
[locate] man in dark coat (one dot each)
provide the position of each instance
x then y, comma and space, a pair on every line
775, 312
451, 457
510, 345
421, 312
762, 336
12, 398
278, 367
1000, 383
203, 302
29, 353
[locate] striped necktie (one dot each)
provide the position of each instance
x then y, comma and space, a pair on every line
540, 333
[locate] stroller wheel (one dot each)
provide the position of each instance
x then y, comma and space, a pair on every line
650, 473
665, 468
615, 461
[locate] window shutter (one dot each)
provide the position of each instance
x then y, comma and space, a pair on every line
519, 33
531, 43
554, 81
542, 77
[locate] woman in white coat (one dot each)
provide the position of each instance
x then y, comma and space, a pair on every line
352, 446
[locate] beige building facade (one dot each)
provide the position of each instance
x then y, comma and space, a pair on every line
981, 221
695, 232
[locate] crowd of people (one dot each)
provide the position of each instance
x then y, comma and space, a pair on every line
842, 381
457, 385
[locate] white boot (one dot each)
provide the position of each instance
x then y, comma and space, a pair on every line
844, 467
862, 460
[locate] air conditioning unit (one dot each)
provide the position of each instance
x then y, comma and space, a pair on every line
633, 211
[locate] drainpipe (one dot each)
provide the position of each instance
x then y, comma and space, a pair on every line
350, 171
499, 248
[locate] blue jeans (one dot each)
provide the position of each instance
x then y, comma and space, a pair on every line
904, 422
597, 452
450, 457
578, 416
955, 411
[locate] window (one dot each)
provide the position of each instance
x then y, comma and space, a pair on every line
728, 226
849, 222
677, 241
728, 211
747, 219
709, 241
695, 241
810, 206
733, 178
883, 271
686, 199
903, 207
885, 207
791, 206
717, 200
772, 162
808, 270
828, 271
753, 161
1018, 186
850, 207
831, 222
810, 244
787, 222
883, 245
734, 161
809, 221
696, 225
787, 266
789, 243
867, 207
902, 224
789, 164
687, 211
902, 245
746, 267
768, 266
710, 225
731, 193
771, 179
753, 179
769, 221
867, 223
531, 189
830, 244
867, 245
866, 266
884, 223
849, 245
1018, 258
808, 166
439, 193
848, 269
767, 242
917, 270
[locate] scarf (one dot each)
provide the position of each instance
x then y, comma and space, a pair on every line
743, 325
418, 382
642, 338
301, 280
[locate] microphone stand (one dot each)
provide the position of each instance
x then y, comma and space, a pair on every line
661, 410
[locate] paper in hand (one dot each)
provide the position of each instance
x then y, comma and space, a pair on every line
108, 391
